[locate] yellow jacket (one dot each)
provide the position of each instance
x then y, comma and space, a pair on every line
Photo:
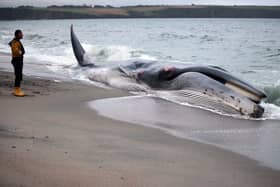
17, 48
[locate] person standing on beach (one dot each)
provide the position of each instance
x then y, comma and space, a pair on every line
17, 61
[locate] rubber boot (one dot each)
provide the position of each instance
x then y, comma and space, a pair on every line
18, 92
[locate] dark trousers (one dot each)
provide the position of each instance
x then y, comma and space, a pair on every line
18, 66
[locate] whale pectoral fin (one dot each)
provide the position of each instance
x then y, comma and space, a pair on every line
78, 50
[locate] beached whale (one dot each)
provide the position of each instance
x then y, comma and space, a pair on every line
202, 85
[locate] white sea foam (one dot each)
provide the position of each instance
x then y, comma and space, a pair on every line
113, 53
5, 48
271, 111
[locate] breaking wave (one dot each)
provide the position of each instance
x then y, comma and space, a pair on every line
115, 53
273, 95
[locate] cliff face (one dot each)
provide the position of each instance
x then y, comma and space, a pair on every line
140, 12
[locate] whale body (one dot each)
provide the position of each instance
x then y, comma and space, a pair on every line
203, 85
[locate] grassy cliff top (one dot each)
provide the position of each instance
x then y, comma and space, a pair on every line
156, 11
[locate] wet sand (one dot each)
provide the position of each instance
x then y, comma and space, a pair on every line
255, 138
52, 138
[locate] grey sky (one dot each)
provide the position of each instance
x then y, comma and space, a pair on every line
135, 2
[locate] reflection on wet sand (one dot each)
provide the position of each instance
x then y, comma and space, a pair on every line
257, 139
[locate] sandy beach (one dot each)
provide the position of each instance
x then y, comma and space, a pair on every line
51, 138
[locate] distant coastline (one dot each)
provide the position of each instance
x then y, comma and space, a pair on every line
157, 11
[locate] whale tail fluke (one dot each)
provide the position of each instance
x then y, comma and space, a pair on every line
78, 50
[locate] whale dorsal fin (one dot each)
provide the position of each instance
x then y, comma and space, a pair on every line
78, 50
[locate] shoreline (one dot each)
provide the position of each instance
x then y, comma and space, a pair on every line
51, 138
255, 139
